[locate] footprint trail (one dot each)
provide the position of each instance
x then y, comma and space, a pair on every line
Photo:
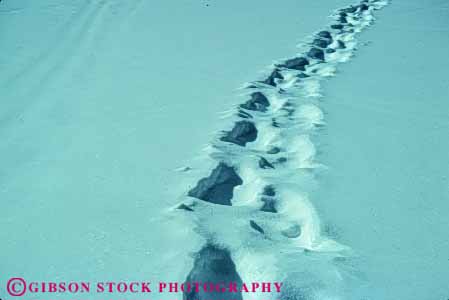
252, 208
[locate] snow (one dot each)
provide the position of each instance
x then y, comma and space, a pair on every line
101, 102
386, 144
109, 109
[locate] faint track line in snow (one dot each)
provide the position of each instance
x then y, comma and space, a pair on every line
48, 52
44, 70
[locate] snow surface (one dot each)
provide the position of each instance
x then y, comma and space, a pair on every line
105, 102
387, 143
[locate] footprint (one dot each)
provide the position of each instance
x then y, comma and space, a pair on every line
298, 63
242, 133
269, 190
271, 80
322, 43
213, 264
325, 34
316, 53
258, 102
219, 187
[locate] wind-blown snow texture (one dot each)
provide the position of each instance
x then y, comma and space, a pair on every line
254, 203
